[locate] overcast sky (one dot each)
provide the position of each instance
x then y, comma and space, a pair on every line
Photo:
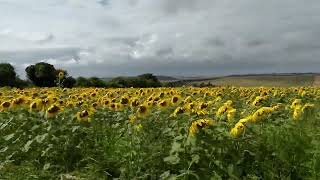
168, 37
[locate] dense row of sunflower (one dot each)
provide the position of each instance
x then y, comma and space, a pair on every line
236, 106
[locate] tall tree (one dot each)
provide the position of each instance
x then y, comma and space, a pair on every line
42, 74
7, 75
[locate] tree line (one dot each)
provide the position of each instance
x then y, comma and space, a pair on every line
43, 74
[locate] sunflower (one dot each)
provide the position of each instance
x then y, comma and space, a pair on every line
5, 106
245, 120
52, 111
142, 110
190, 107
18, 102
132, 119
223, 109
61, 75
230, 114
297, 112
124, 100
119, 106
134, 102
106, 103
258, 100
295, 103
203, 105
178, 110
175, 99
70, 104
261, 113
163, 104
84, 116
35, 106
113, 106
237, 130
199, 124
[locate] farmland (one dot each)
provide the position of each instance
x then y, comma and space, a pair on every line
160, 133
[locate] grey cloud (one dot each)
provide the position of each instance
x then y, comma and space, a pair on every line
215, 42
36, 55
164, 52
256, 43
176, 6
49, 38
103, 2
167, 36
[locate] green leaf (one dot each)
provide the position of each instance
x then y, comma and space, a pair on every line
46, 166
174, 159
74, 128
4, 149
26, 147
34, 127
165, 175
8, 137
40, 138
195, 158
176, 147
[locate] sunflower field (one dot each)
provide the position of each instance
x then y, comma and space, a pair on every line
160, 133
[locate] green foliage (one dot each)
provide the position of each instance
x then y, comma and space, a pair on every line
141, 81
69, 82
7, 75
32, 147
89, 82
42, 74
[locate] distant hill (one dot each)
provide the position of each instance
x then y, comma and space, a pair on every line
272, 79
167, 78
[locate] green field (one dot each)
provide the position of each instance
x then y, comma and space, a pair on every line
264, 80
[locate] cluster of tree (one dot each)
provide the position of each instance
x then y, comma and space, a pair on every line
8, 76
142, 81
90, 82
46, 75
